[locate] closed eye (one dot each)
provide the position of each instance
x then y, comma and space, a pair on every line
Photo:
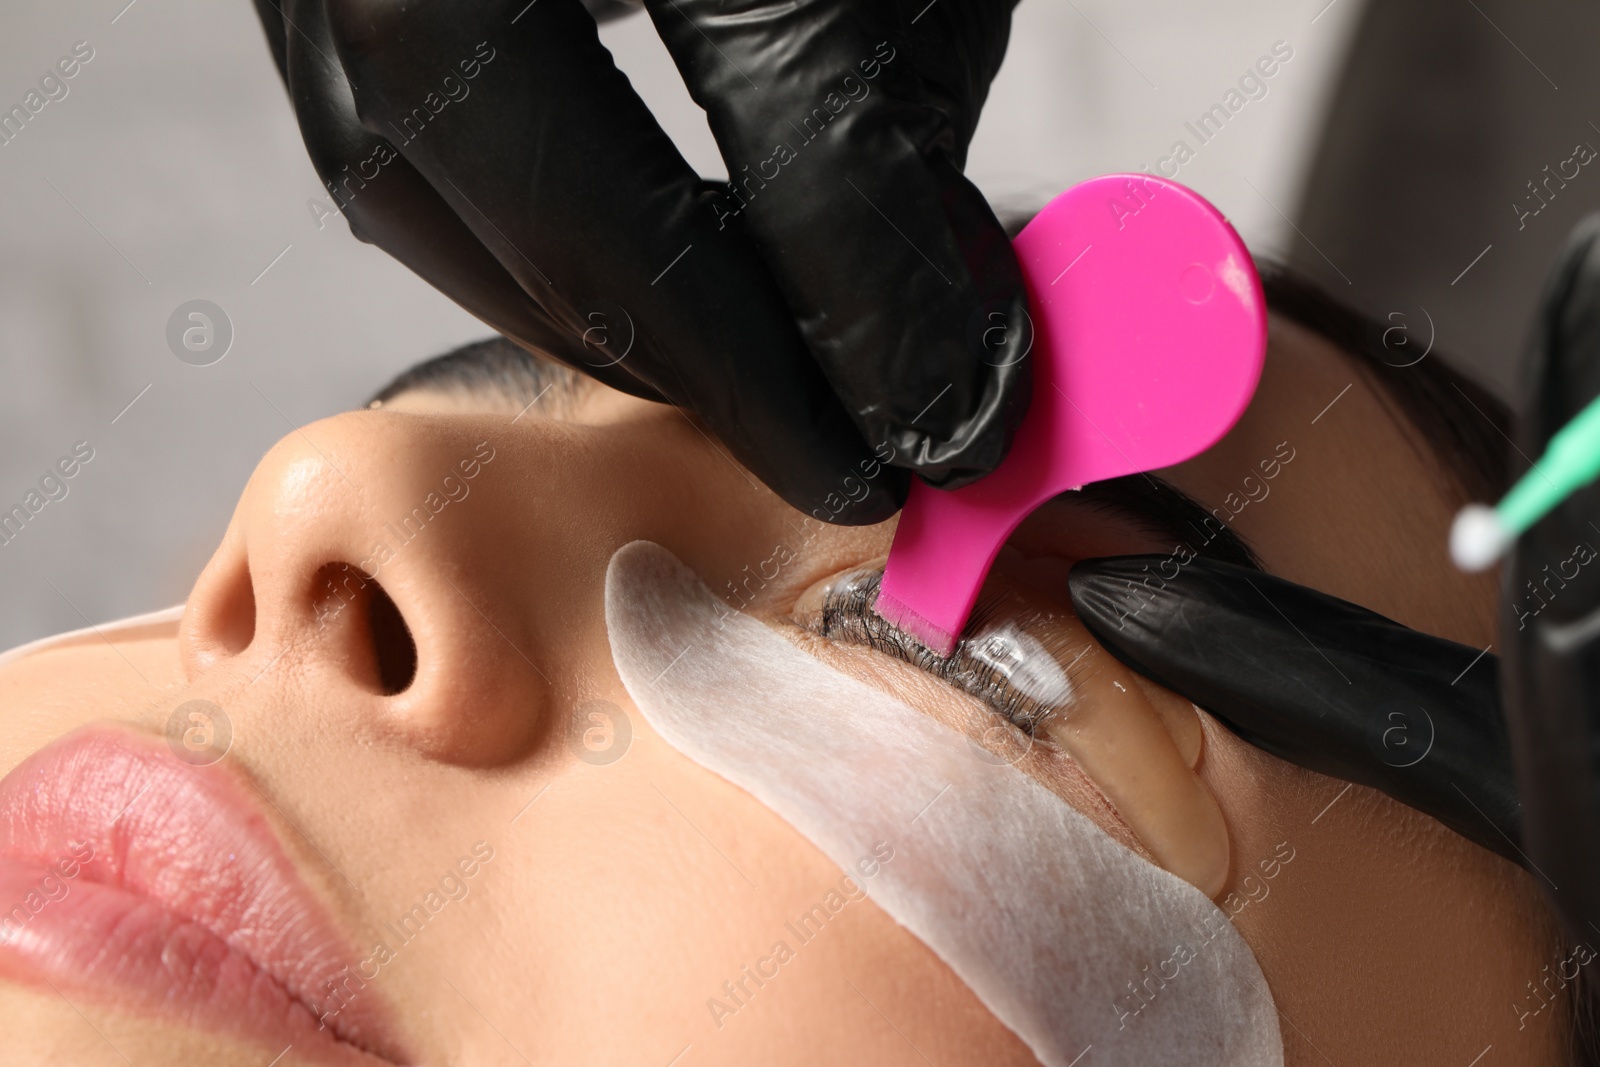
1020, 677
1024, 677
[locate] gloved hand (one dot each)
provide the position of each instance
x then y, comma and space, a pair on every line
846, 303
1550, 619
1340, 690
1326, 684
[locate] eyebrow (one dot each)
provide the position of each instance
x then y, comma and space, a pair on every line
1160, 508
494, 366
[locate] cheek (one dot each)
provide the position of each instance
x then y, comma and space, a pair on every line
653, 868
1373, 900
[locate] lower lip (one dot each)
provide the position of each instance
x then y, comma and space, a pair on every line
144, 885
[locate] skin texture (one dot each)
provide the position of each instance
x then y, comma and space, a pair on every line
621, 896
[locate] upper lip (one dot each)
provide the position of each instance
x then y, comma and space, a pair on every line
189, 904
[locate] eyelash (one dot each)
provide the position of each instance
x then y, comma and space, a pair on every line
846, 615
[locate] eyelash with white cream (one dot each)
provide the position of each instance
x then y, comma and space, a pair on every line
1016, 675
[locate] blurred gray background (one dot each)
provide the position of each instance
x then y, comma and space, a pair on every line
173, 171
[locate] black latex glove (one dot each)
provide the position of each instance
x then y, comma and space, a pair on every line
852, 299
1550, 624
1317, 681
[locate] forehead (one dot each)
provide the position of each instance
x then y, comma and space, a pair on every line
1334, 489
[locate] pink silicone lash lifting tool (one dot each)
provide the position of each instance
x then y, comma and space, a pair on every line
1149, 331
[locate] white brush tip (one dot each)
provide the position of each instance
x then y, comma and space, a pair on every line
1478, 538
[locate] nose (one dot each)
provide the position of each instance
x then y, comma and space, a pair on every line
360, 565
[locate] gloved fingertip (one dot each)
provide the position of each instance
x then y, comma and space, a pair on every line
969, 444
884, 497
948, 478
1109, 592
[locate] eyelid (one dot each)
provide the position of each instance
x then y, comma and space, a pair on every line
1100, 721
984, 665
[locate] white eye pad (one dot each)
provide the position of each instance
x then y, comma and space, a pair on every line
1070, 939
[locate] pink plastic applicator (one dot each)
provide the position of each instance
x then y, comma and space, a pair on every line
1149, 333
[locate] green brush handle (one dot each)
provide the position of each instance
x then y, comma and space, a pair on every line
1571, 462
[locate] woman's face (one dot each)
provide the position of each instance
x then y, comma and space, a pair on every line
550, 882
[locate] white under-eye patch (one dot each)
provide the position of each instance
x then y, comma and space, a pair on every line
1070, 939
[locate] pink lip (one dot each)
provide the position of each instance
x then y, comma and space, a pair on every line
186, 909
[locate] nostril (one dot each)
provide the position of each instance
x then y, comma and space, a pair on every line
219, 619
233, 619
361, 617
392, 644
